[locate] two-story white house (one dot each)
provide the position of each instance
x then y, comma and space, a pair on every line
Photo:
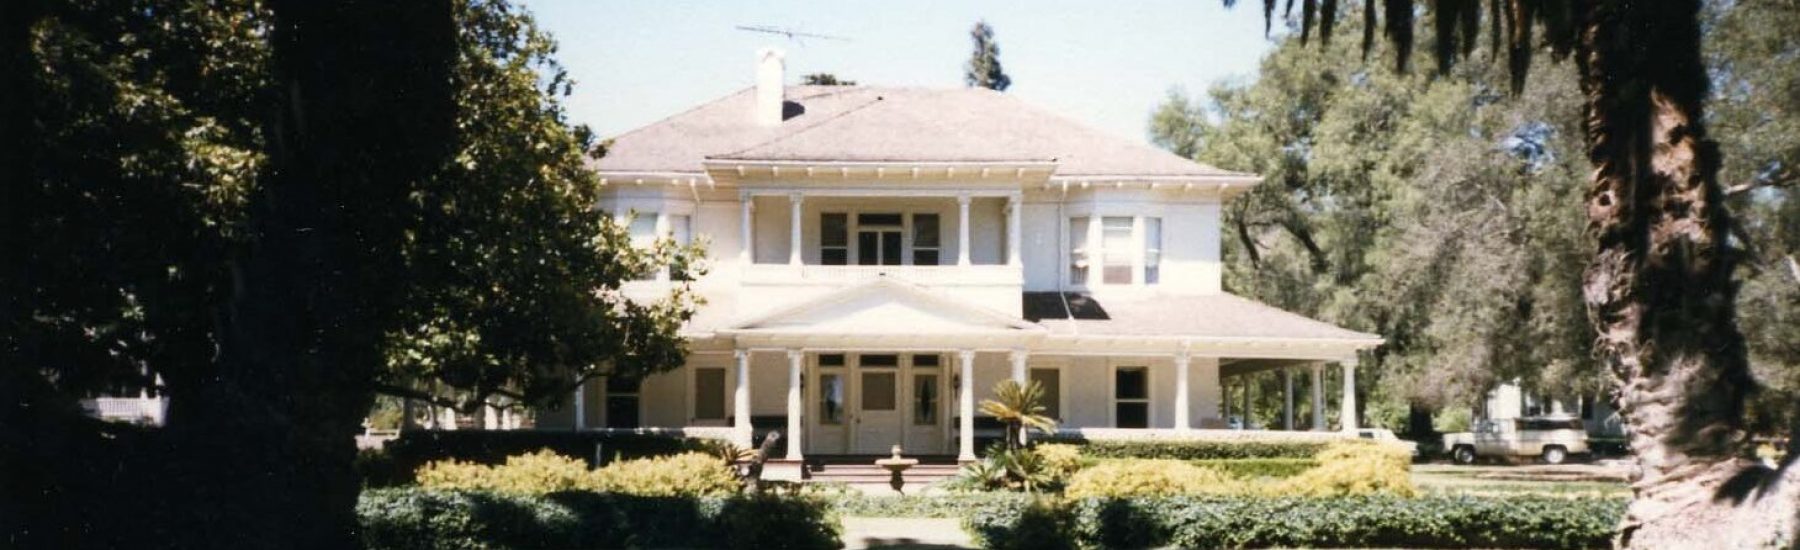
881, 257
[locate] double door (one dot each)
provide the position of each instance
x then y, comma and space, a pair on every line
867, 403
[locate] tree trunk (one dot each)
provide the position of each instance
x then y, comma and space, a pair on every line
1660, 291
361, 111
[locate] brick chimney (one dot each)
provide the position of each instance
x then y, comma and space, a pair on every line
771, 66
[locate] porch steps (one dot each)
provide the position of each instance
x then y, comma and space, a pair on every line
857, 470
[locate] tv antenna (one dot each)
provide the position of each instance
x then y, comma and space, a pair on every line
791, 34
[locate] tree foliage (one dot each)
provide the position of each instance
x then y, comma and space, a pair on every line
983, 69
825, 79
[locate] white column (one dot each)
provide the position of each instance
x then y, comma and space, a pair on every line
1347, 414
740, 422
965, 438
1318, 397
796, 360
747, 252
1182, 361
581, 405
1013, 237
962, 230
490, 418
1245, 415
1287, 395
794, 202
1019, 376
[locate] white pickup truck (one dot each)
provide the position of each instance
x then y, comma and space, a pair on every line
1553, 439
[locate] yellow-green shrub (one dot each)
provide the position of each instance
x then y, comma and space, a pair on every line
1148, 477
1353, 468
530, 474
1060, 458
685, 474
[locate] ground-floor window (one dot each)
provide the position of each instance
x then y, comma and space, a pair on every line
1051, 381
1131, 397
622, 402
709, 394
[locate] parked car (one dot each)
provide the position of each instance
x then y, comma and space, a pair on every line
1387, 436
1552, 438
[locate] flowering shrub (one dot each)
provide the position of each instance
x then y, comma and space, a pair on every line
1353, 468
544, 472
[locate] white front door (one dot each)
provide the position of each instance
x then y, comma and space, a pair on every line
878, 404
828, 413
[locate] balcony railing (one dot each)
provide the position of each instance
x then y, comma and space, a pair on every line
838, 275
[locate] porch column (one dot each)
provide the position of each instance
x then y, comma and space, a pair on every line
1013, 237
1348, 413
1287, 395
1318, 397
796, 360
1181, 391
962, 230
747, 252
965, 444
794, 202
580, 405
740, 422
1245, 418
1019, 377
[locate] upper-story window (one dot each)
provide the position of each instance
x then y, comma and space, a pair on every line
1114, 245
644, 233
879, 238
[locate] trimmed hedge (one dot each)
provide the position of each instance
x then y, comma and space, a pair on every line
1368, 521
1195, 449
415, 448
952, 505
426, 519
1251, 468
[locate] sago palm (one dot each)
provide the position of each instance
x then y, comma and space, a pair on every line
1018, 406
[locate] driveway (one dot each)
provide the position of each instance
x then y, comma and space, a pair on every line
904, 533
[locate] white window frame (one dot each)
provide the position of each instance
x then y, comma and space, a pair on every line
1112, 393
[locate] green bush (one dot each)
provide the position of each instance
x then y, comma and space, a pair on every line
415, 448
421, 519
1061, 459
1357, 521
1149, 477
953, 505
1253, 468
1194, 449
377, 468
1354, 468
544, 472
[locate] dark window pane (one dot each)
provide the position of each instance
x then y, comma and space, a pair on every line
834, 256
925, 230
1131, 383
890, 248
866, 253
1132, 415
925, 257
881, 360
926, 360
878, 219
834, 229
1051, 380
621, 411
831, 359
925, 399
622, 384
878, 391
709, 394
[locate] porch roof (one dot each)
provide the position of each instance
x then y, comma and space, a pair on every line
1153, 314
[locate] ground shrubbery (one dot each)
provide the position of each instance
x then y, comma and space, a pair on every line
1149, 477
1252, 468
544, 472
432, 519
1353, 468
1190, 449
1344, 468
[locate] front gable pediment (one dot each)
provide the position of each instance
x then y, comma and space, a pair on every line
884, 306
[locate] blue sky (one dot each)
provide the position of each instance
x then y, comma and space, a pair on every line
1104, 63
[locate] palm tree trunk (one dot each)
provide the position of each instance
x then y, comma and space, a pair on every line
1660, 290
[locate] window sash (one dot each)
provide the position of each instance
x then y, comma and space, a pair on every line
1152, 250
1079, 256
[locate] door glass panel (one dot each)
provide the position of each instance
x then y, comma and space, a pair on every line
890, 248
709, 394
831, 398
925, 399
878, 391
867, 249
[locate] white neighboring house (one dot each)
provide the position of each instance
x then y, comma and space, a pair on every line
881, 257
1509, 400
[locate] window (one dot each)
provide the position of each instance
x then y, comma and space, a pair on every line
643, 236
1078, 251
879, 361
1152, 250
834, 239
1116, 250
831, 398
926, 239
622, 402
709, 394
1051, 380
680, 231
831, 359
878, 239
924, 361
1131, 397
925, 399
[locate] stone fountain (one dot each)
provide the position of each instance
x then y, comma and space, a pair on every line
896, 465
